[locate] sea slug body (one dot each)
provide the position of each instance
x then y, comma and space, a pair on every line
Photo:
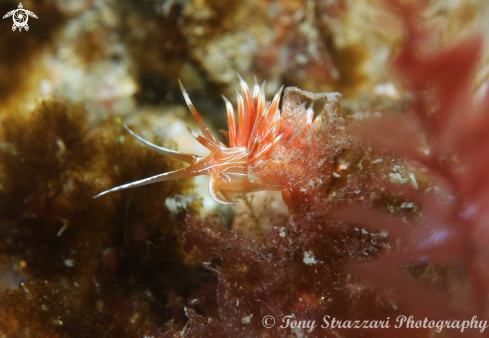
253, 141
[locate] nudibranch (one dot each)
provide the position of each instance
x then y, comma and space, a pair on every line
251, 142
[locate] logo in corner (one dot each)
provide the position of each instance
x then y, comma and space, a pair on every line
20, 16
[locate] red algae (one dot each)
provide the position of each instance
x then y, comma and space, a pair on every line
323, 262
302, 163
290, 271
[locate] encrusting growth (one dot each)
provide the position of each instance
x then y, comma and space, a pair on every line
251, 142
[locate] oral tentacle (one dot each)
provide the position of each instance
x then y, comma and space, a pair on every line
189, 158
194, 170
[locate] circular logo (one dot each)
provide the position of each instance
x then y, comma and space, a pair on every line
268, 322
20, 17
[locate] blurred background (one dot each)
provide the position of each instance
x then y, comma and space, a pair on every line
123, 58
121, 61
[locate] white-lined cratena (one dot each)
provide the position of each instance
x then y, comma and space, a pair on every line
251, 142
